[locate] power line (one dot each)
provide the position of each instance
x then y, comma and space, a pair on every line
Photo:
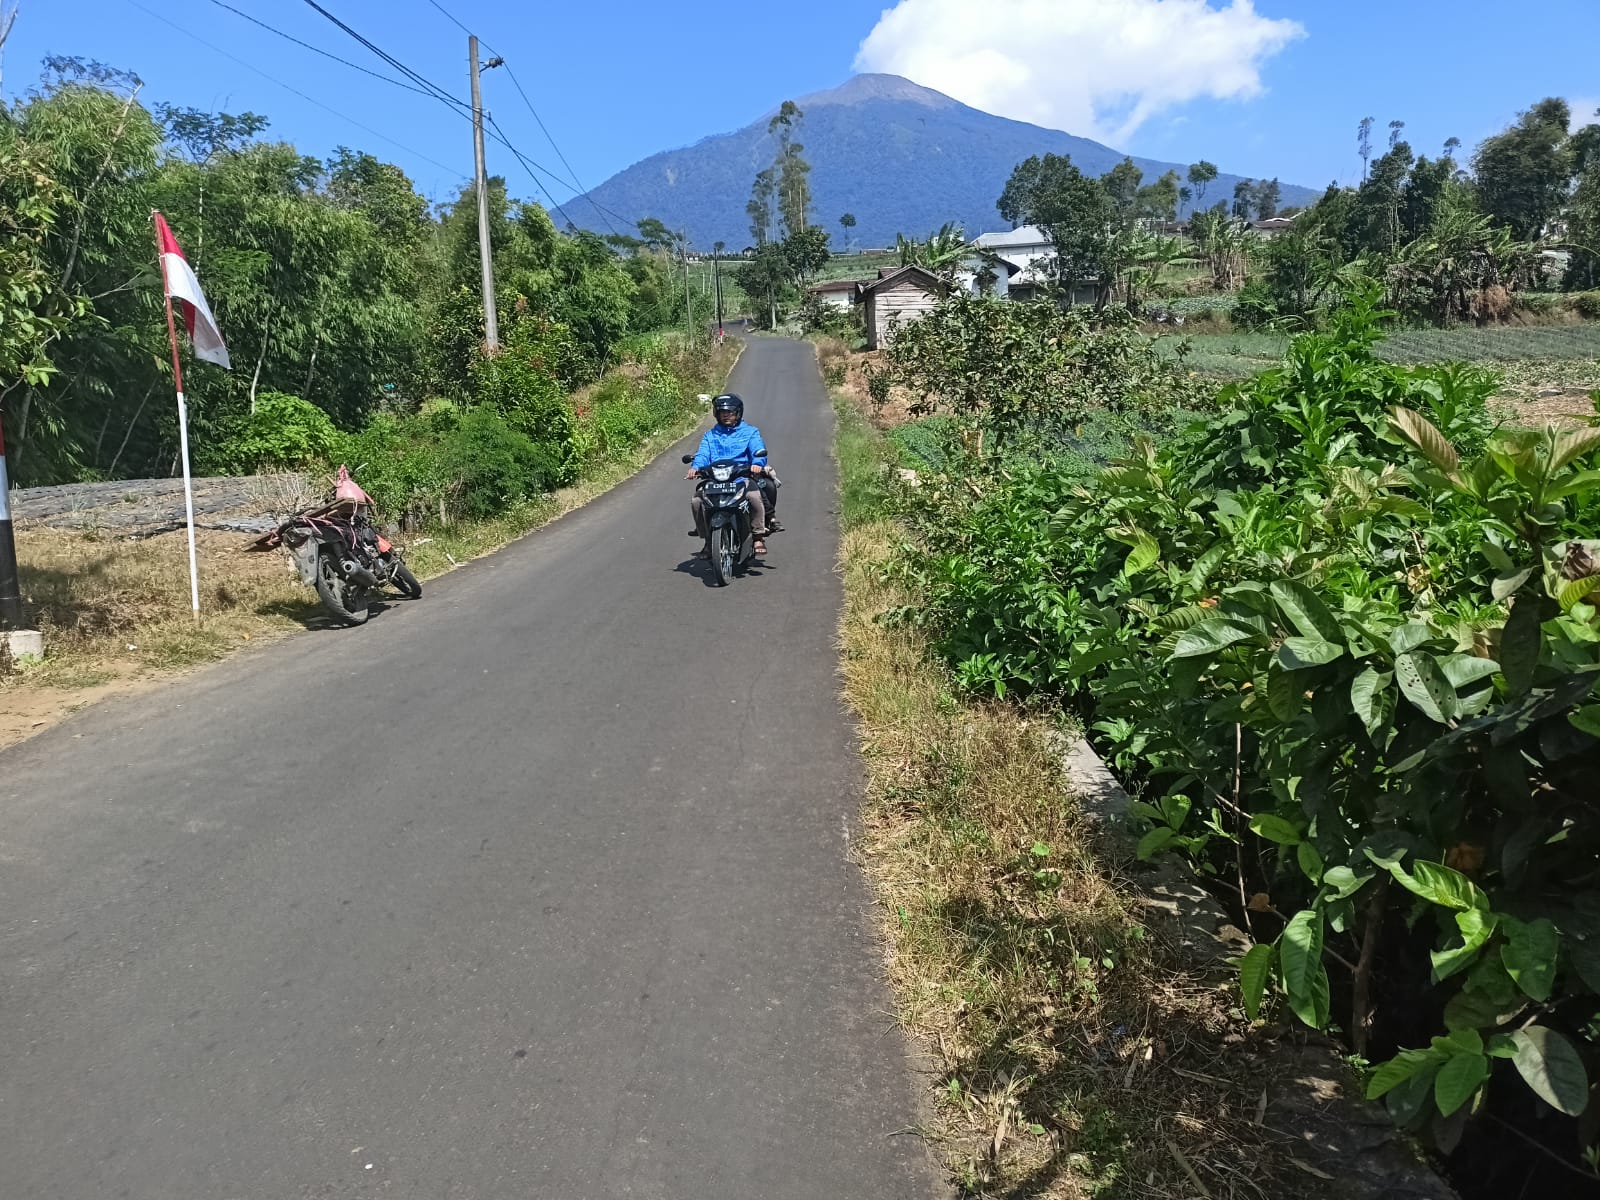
434, 89
296, 91
318, 49
576, 182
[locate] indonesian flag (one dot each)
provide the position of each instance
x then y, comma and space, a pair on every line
182, 286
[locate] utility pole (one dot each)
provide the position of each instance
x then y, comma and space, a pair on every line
688, 304
491, 318
716, 269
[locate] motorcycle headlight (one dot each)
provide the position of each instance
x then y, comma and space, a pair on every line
722, 473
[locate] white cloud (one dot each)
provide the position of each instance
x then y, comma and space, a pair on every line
1099, 68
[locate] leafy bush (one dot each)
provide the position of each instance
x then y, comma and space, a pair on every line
494, 465
283, 433
1585, 304
522, 382
1341, 639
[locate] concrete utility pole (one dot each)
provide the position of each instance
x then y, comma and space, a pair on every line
491, 318
688, 305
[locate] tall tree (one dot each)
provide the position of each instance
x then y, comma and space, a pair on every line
1201, 176
1523, 173
847, 223
1364, 143
1267, 195
793, 171
1076, 214
1244, 199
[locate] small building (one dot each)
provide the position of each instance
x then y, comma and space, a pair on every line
897, 297
1029, 251
987, 274
1272, 227
836, 293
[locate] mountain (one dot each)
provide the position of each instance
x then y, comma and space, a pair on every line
903, 158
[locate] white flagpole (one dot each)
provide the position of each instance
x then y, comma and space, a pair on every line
183, 433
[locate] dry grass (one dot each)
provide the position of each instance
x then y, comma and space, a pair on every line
1072, 1061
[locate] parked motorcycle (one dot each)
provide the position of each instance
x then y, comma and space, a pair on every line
730, 544
338, 550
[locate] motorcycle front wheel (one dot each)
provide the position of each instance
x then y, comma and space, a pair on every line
723, 553
343, 599
403, 579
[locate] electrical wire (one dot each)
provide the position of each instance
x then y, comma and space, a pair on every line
434, 89
318, 49
296, 91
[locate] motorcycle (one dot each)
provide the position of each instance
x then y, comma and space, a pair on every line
338, 550
730, 544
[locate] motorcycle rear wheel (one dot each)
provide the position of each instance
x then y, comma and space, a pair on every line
344, 600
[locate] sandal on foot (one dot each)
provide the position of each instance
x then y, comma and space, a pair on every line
760, 547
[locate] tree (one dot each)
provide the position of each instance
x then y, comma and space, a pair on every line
941, 252
759, 207
1364, 143
1076, 214
1201, 175
1267, 194
766, 277
793, 171
1244, 198
847, 223
807, 251
1523, 173
1122, 189
1160, 200
1583, 212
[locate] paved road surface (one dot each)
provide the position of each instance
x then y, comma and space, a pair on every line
536, 888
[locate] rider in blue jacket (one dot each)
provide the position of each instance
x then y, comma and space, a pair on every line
732, 440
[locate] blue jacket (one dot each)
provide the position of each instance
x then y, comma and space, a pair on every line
743, 443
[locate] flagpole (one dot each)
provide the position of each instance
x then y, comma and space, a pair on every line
183, 430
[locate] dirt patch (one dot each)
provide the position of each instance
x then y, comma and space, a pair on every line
1571, 407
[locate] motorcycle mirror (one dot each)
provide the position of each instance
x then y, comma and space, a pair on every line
687, 459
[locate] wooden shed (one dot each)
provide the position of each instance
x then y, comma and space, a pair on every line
898, 296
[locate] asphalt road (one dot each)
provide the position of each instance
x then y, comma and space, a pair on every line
538, 887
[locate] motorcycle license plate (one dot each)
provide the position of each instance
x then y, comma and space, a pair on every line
722, 489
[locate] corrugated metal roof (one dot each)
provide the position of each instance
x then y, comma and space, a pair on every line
1027, 235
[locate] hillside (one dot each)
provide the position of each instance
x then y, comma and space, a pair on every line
901, 157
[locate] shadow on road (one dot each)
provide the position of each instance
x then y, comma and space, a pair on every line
310, 615
701, 570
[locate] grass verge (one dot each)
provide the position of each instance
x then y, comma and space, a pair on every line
1072, 1060
116, 613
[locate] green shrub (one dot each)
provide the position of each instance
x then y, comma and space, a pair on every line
283, 433
1340, 639
522, 382
1585, 304
495, 466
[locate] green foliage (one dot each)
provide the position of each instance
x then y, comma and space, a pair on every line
522, 384
1338, 635
283, 433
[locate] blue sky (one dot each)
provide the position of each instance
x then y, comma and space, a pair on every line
1273, 88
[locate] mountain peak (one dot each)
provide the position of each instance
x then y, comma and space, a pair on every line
859, 89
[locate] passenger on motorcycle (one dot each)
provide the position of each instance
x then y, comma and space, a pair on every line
732, 440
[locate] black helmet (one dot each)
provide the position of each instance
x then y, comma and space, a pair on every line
727, 402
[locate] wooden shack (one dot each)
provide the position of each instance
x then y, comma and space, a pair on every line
898, 296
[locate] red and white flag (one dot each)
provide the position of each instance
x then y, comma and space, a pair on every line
182, 286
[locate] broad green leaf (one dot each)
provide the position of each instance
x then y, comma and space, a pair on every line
1310, 861
1306, 612
1477, 926
1509, 584
1439, 884
1520, 644
1587, 719
1344, 882
1400, 1068
1530, 955
1425, 436
1552, 1068
1497, 558
1146, 550
1209, 637
1576, 592
1285, 694
1501, 1046
1254, 970
1154, 842
1573, 445
1305, 981
1457, 1080
1424, 684
1571, 486
1370, 697
1298, 653
1464, 669
1405, 638
1470, 1009
1274, 829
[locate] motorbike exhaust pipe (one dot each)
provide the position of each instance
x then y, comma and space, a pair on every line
357, 573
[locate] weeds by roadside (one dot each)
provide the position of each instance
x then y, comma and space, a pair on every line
1071, 1062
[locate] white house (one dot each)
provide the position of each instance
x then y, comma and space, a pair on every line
836, 293
1029, 250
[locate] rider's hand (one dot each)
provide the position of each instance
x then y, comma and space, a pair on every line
756, 468
693, 474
